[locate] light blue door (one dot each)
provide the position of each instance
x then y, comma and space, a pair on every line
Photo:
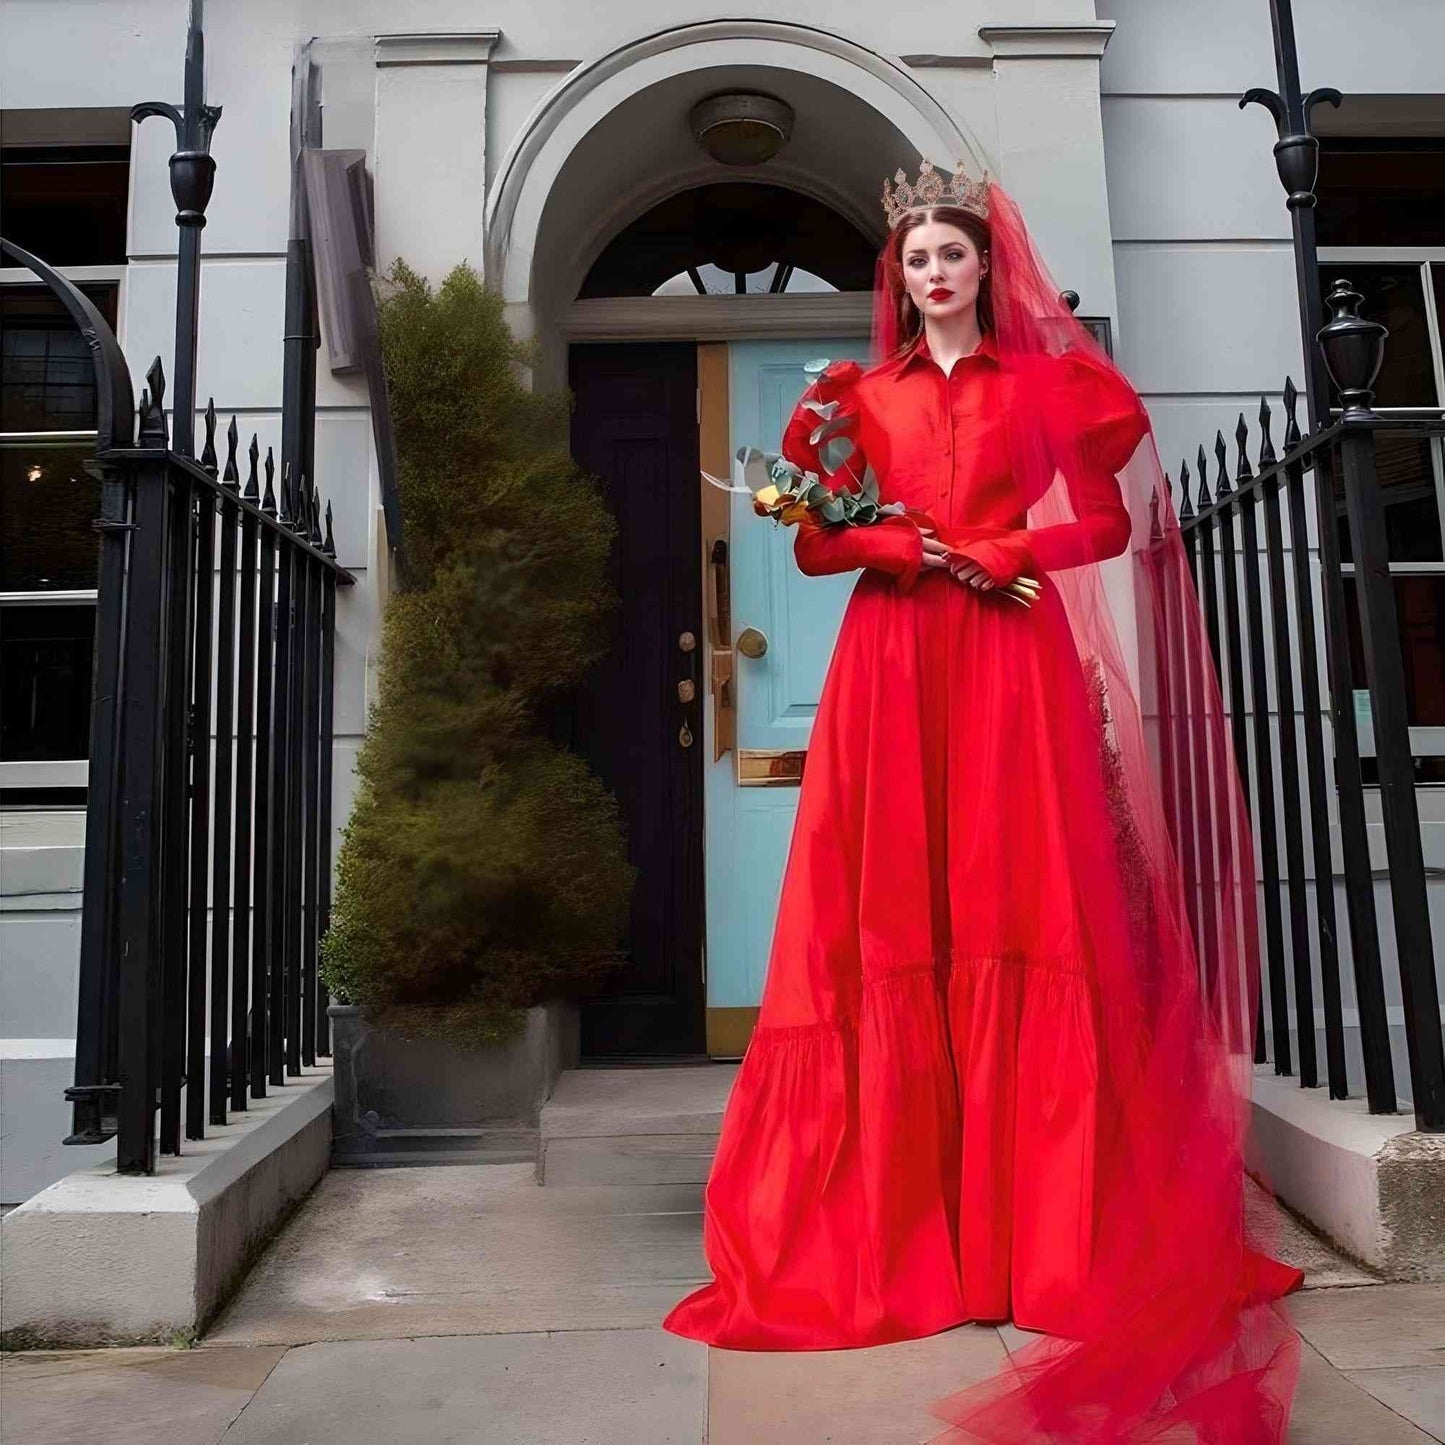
749, 826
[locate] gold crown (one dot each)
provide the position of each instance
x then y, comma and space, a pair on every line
932, 190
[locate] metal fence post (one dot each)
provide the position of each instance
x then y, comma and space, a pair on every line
1353, 349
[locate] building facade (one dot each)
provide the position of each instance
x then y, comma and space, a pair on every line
562, 151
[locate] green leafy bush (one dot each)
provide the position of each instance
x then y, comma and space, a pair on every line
482, 869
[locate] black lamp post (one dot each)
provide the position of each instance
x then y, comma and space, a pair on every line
193, 171
1296, 157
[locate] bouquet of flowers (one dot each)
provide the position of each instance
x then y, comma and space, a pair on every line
789, 494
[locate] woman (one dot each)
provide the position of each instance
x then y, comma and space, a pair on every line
999, 1065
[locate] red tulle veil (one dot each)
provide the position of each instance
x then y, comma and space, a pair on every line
1177, 1336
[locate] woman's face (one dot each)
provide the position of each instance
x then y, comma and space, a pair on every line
942, 269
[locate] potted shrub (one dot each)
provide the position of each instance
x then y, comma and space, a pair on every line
482, 880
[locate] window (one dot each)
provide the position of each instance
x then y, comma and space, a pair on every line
1382, 227
67, 205
711, 280
734, 237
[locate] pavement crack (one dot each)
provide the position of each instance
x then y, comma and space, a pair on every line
261, 1386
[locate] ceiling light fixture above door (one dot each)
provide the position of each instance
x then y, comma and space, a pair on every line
741, 128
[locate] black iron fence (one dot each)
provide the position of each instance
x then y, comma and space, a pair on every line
208, 858
1265, 643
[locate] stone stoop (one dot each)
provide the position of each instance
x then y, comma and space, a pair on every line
1369, 1183
649, 1125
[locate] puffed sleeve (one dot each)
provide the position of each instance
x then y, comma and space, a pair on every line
894, 544
1094, 422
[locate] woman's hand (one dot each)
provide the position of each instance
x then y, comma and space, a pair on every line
966, 570
935, 553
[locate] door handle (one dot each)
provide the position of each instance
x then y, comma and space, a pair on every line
722, 608
752, 643
720, 629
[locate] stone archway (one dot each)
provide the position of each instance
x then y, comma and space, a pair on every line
613, 141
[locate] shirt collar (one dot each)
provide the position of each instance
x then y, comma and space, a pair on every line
919, 352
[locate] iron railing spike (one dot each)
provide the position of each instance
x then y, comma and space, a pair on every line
1243, 472
1222, 488
152, 431
1291, 407
231, 475
156, 380
1267, 457
208, 449
268, 499
253, 492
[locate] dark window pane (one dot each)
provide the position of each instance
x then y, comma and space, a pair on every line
47, 382
45, 682
1429, 769
1406, 471
1394, 296
739, 228
66, 205
1420, 605
1381, 191
47, 505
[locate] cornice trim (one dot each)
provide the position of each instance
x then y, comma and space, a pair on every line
1047, 42
451, 47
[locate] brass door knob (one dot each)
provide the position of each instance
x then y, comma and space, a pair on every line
686, 690
687, 642
752, 643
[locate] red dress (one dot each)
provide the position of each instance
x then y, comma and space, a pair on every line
910, 1140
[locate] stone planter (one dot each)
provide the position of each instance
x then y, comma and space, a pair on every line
401, 1101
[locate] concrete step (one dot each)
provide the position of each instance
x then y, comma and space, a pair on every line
395, 1148
644, 1125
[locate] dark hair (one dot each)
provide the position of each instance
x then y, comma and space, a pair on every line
907, 316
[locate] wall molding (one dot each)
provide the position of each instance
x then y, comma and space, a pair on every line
1047, 42
450, 47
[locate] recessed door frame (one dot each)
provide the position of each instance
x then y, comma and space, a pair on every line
708, 320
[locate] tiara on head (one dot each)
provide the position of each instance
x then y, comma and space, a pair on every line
932, 190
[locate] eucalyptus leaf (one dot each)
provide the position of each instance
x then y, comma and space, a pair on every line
822, 408
755, 468
870, 483
830, 428
785, 474
832, 510
835, 451
816, 366
893, 509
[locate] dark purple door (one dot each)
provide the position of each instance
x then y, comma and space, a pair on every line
635, 429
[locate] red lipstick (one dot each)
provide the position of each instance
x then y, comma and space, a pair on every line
939, 293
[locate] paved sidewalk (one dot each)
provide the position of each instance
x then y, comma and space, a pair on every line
445, 1305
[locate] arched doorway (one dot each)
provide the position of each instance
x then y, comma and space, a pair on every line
646, 718
678, 297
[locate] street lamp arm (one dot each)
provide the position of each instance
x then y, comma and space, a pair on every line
1271, 101
163, 108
